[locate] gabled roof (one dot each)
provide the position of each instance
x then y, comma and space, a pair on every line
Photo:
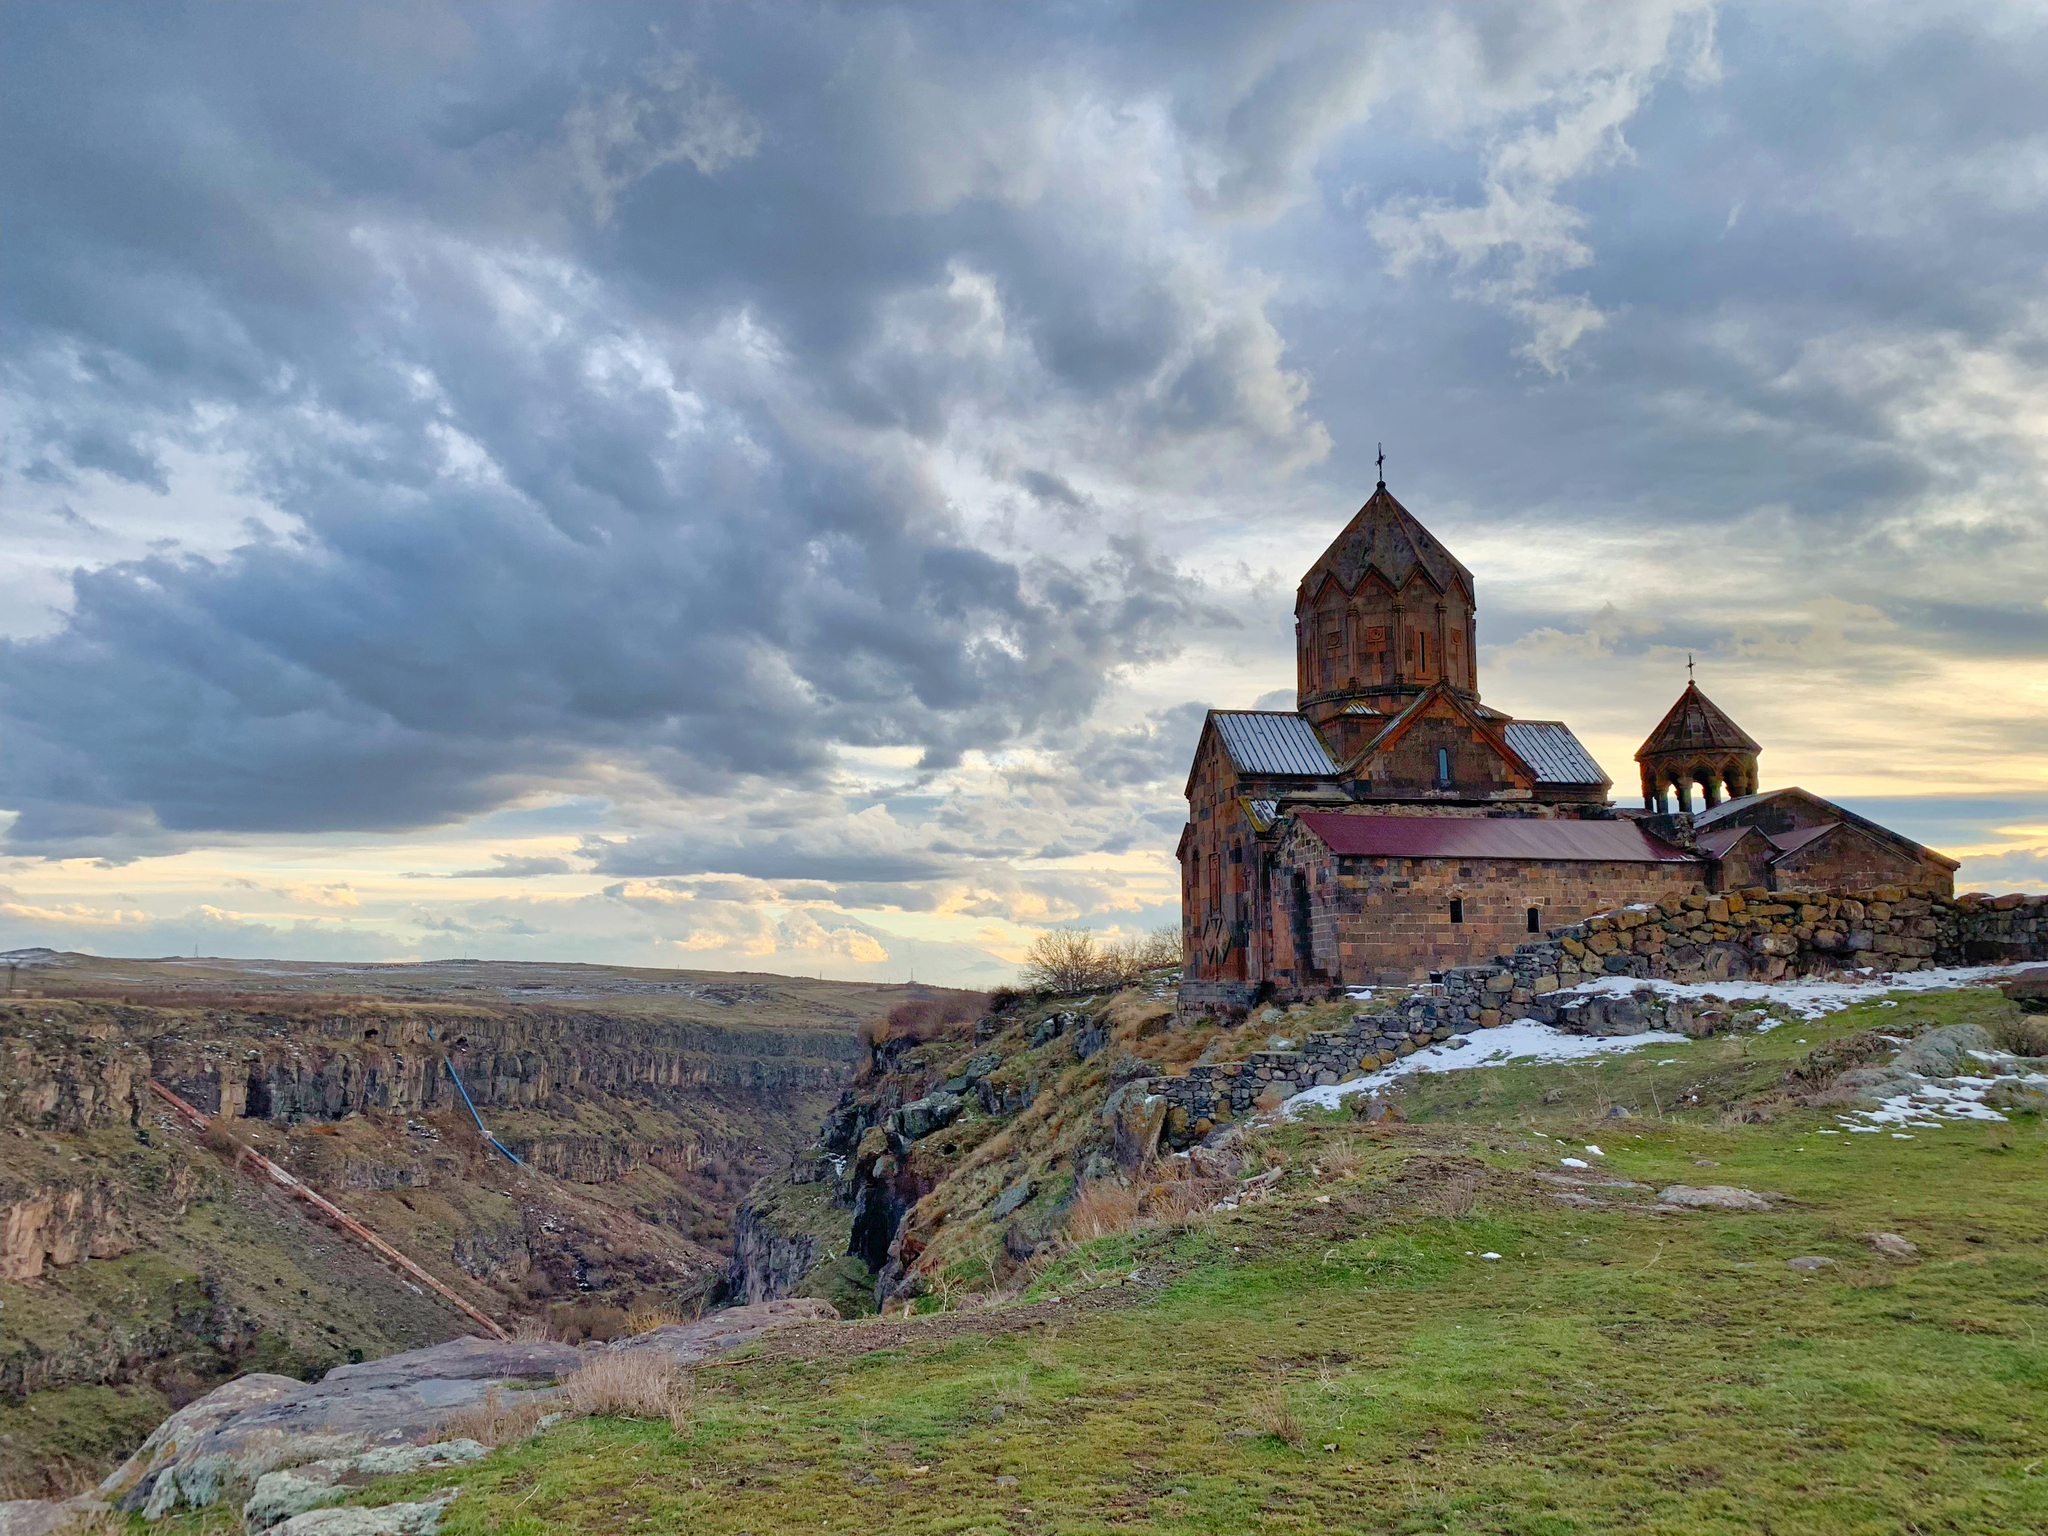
1799, 837
1384, 536
1696, 724
1269, 742
1398, 727
1820, 813
1554, 752
1715, 844
1489, 837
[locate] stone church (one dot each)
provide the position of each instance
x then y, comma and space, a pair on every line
1392, 825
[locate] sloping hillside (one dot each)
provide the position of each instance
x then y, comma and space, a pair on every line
1502, 1305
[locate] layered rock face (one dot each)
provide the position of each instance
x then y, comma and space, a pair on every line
132, 1252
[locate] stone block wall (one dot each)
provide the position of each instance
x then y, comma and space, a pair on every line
1759, 934
1769, 935
1388, 920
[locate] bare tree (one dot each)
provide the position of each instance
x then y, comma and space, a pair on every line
1073, 960
1161, 948
1065, 960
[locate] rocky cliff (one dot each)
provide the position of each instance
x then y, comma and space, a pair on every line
135, 1260
955, 1155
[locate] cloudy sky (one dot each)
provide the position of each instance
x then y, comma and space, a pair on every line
776, 487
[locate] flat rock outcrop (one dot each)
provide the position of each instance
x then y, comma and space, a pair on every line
261, 1423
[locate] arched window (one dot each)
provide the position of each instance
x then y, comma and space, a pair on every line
1535, 919
1443, 765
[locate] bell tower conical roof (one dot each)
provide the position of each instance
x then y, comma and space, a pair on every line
1696, 724
1696, 743
1385, 537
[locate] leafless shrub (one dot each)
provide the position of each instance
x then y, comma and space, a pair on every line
631, 1384
532, 1330
1074, 960
926, 1018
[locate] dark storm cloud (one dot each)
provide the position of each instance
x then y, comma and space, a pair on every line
576, 356
615, 370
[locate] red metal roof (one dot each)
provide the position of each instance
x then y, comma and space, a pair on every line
1488, 837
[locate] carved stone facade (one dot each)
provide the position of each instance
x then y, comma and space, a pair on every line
1393, 825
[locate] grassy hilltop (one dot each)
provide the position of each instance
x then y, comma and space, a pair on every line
1346, 1353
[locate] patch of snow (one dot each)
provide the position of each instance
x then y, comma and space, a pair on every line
1953, 1098
1810, 999
1668, 1061
1489, 1255
1575, 1162
1596, 1151
1523, 1040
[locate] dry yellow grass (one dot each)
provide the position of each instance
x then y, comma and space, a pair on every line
1273, 1415
653, 1318
503, 1418
631, 1384
1101, 1210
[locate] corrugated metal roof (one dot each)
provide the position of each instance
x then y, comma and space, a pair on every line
1721, 839
1262, 812
1266, 741
1489, 837
1554, 752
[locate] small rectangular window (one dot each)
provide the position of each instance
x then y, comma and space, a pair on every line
1457, 909
1443, 764
1535, 919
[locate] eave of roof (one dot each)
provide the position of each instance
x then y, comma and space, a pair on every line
1490, 837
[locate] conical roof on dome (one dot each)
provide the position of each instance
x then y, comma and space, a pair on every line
1694, 724
1386, 537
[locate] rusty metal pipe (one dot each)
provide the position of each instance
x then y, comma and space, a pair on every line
328, 1208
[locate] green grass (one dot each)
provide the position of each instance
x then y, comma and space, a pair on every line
1614, 1370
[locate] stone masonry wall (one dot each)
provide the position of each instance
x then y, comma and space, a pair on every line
1766, 935
1389, 920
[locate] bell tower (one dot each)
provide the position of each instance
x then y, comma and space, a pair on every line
1696, 743
1383, 614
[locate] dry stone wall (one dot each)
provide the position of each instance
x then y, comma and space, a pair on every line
1752, 934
